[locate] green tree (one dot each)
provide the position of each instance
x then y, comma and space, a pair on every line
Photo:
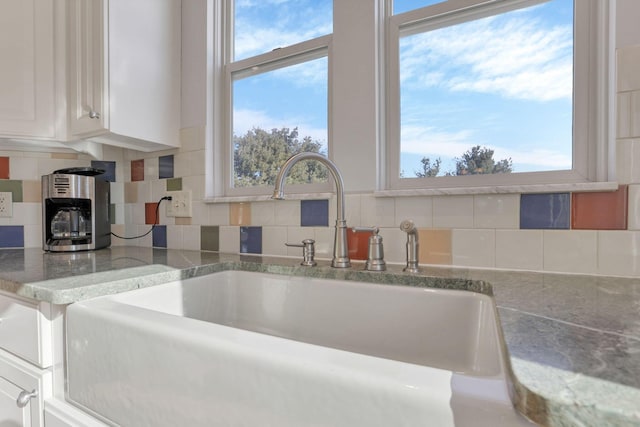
259, 155
428, 169
479, 160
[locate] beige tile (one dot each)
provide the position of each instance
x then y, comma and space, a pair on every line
634, 114
183, 221
628, 161
32, 191
273, 241
263, 213
633, 215
628, 63
418, 209
623, 112
377, 211
130, 192
230, 239
69, 156
435, 246
240, 213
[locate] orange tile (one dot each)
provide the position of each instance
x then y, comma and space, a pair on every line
599, 210
4, 168
150, 213
239, 213
358, 244
435, 246
137, 170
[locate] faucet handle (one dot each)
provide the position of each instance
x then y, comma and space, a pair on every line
375, 258
308, 251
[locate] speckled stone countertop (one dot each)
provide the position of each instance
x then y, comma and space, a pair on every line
574, 340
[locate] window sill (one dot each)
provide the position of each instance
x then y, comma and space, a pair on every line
266, 198
502, 189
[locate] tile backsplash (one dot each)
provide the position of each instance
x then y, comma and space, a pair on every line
579, 232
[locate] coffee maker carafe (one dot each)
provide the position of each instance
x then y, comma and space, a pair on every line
75, 206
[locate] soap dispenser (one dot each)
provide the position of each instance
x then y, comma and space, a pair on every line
375, 258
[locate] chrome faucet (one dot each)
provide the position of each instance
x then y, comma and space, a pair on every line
340, 249
412, 245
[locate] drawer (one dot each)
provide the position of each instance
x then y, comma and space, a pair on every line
24, 330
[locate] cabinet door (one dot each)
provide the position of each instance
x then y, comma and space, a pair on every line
86, 61
27, 97
10, 413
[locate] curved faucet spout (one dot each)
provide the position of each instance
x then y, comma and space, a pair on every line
340, 249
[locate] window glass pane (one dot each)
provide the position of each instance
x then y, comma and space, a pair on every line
501, 84
277, 114
400, 6
263, 25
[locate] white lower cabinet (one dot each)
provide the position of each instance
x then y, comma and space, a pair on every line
23, 388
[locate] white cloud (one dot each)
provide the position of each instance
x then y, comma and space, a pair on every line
511, 55
245, 120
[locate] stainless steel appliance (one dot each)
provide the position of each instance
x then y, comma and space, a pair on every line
75, 209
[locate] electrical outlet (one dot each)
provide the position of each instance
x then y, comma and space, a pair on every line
6, 204
180, 204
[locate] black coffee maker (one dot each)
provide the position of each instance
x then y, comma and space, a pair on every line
75, 209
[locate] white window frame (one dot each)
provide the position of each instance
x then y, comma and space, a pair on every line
220, 131
593, 103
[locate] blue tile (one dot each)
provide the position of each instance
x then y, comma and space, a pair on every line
11, 236
109, 169
314, 213
250, 240
165, 169
545, 211
159, 236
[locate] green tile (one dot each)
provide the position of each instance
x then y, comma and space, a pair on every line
174, 184
210, 238
12, 186
112, 213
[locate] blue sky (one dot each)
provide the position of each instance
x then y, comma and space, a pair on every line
502, 82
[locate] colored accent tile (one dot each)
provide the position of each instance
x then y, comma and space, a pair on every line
112, 214
130, 192
31, 191
600, 210
239, 213
358, 244
210, 238
314, 213
11, 236
137, 170
435, 246
65, 156
174, 184
109, 169
150, 213
14, 187
4, 168
250, 240
183, 221
545, 211
159, 236
165, 166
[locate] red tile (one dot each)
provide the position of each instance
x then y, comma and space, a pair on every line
599, 210
4, 168
150, 213
358, 244
137, 170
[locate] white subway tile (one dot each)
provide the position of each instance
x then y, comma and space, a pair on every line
263, 213
628, 161
273, 241
418, 209
519, 249
496, 211
473, 248
287, 212
191, 237
453, 212
570, 251
634, 113
230, 239
619, 253
628, 63
633, 215
377, 211
623, 112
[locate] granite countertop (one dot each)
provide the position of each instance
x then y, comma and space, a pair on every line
574, 340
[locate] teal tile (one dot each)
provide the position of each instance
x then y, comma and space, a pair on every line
210, 238
174, 184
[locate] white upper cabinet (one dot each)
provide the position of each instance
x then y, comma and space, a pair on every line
101, 70
27, 74
124, 72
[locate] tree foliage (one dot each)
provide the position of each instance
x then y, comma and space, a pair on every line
259, 155
478, 160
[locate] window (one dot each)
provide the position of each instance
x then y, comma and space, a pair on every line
276, 83
491, 89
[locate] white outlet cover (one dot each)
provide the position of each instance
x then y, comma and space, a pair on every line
6, 204
180, 204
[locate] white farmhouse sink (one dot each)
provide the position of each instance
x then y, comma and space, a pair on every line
253, 349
